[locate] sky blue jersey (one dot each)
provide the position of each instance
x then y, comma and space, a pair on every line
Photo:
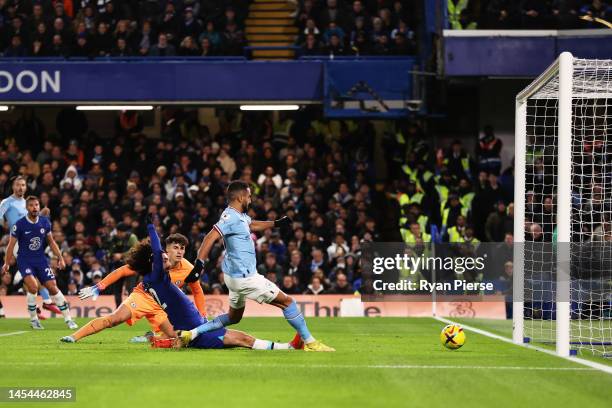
12, 209
234, 227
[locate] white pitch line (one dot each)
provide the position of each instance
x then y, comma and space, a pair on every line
332, 366
602, 367
12, 333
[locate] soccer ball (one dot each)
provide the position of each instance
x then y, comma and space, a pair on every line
452, 336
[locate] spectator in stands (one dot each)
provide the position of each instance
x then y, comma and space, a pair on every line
213, 36
121, 48
310, 29
207, 48
102, 40
315, 287
488, 151
188, 48
169, 24
270, 266
333, 30
334, 46
311, 46
497, 223
82, 47
500, 15
596, 9
233, 39
16, 49
332, 14
144, 39
57, 48
288, 285
190, 26
534, 14
162, 48
341, 286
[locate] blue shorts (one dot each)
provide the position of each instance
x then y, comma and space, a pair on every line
39, 270
210, 340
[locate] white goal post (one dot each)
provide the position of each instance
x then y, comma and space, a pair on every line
562, 277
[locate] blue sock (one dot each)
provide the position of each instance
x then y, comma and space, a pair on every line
217, 323
297, 321
44, 293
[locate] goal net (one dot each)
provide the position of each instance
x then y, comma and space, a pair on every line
563, 208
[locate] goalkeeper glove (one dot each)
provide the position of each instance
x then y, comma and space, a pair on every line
150, 219
89, 292
196, 272
282, 222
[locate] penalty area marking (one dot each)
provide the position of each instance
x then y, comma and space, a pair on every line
12, 333
578, 360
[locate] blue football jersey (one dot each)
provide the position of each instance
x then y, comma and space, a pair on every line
240, 259
13, 209
181, 311
32, 237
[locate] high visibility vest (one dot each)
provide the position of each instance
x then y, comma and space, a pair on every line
443, 193
474, 241
454, 13
454, 235
446, 212
409, 237
465, 163
422, 221
466, 200
283, 128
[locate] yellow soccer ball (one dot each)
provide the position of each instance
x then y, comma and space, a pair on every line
452, 336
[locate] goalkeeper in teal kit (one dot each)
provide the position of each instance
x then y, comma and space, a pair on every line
240, 272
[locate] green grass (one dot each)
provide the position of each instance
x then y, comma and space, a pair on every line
385, 362
543, 334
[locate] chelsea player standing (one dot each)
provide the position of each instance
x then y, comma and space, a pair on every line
12, 209
240, 270
31, 232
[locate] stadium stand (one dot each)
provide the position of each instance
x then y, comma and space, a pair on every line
319, 172
527, 14
216, 28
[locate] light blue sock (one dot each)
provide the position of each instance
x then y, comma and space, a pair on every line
297, 321
214, 324
44, 293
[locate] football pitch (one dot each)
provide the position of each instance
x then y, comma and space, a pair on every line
381, 362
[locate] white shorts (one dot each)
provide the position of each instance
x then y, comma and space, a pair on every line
254, 287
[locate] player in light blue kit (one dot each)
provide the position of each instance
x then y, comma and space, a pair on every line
33, 233
12, 209
240, 269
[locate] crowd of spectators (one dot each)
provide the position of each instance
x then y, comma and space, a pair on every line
528, 14
319, 172
88, 28
360, 27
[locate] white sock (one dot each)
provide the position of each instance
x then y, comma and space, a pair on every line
60, 302
31, 300
269, 345
1, 311
262, 345
194, 333
282, 346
